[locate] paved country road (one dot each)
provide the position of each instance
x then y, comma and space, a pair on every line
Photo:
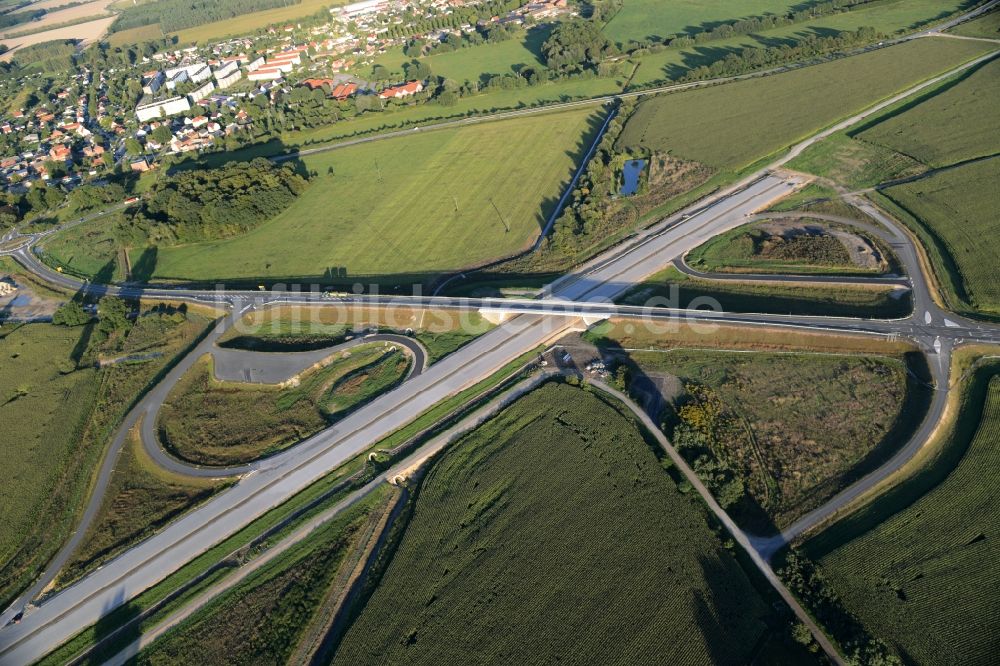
586, 294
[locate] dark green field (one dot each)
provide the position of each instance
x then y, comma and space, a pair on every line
45, 405
732, 126
957, 124
955, 211
924, 580
553, 534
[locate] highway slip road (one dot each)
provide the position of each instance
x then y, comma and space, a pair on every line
280, 477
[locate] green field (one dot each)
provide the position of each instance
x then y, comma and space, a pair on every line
471, 62
771, 297
62, 419
924, 580
804, 247
223, 423
414, 205
886, 16
957, 124
956, 211
552, 533
44, 404
734, 125
855, 164
987, 26
642, 19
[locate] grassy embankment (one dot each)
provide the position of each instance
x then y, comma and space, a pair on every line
792, 427
302, 328
952, 128
262, 619
675, 289
929, 542
559, 487
211, 422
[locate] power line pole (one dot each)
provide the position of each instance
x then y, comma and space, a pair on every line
506, 227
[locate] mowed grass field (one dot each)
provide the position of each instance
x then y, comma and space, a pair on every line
956, 124
958, 209
730, 127
924, 581
472, 62
43, 407
642, 19
552, 533
425, 203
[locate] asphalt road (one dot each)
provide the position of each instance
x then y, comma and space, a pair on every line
586, 294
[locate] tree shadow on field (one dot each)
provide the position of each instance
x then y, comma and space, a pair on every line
116, 631
721, 615
90, 292
144, 268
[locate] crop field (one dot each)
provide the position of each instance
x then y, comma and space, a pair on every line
261, 620
957, 208
417, 205
987, 26
795, 427
249, 23
924, 580
220, 423
43, 407
53, 19
957, 124
732, 126
671, 288
553, 533
797, 247
887, 16
641, 19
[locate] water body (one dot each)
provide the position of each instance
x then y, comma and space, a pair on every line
632, 174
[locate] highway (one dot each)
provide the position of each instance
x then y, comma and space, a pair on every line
585, 295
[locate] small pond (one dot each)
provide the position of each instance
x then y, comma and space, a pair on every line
632, 175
